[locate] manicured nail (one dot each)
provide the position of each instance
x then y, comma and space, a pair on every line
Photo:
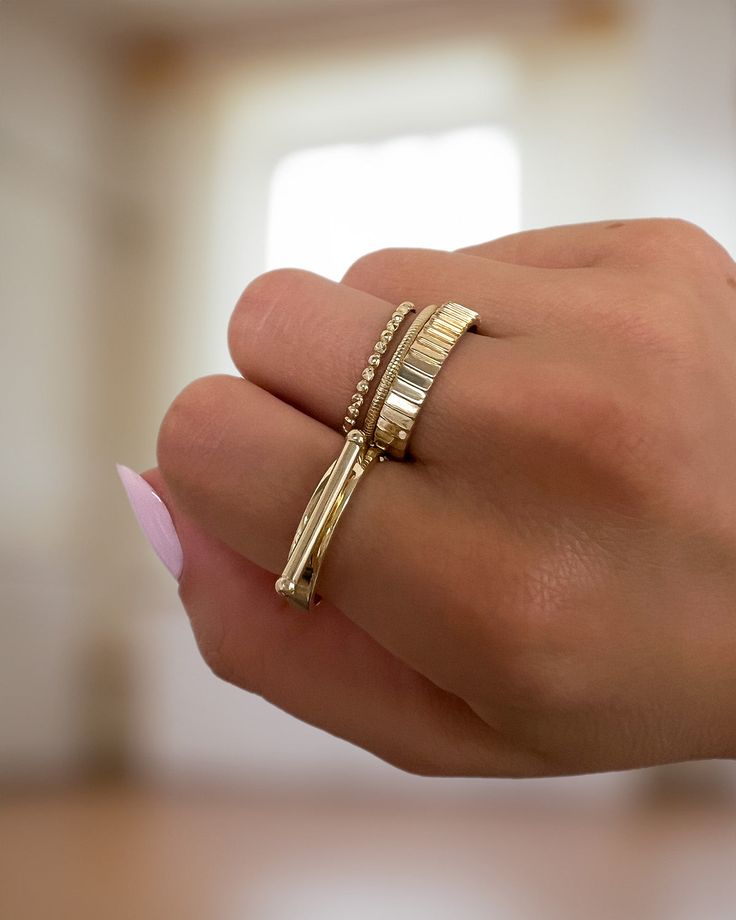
154, 519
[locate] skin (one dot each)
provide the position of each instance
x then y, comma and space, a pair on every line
549, 585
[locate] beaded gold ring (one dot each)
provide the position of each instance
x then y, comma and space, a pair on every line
369, 371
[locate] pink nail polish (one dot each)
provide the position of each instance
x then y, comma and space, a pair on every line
154, 519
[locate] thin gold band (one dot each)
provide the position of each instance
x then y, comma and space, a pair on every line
369, 371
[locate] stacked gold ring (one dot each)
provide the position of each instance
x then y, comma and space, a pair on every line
369, 371
416, 373
386, 431
374, 410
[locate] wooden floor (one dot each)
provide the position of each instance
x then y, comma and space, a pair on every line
109, 853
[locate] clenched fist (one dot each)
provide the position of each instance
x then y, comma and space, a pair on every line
549, 585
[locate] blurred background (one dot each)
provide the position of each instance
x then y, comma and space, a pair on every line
155, 155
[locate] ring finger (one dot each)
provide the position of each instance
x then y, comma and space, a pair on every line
306, 340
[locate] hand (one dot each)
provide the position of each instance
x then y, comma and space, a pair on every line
550, 587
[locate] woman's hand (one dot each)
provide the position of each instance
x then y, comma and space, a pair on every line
550, 587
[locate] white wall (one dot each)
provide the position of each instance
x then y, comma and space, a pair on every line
686, 115
636, 122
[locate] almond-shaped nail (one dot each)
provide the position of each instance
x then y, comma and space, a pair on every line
154, 519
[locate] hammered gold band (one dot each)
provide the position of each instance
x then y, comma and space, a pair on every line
387, 428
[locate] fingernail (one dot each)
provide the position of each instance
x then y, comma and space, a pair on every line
154, 519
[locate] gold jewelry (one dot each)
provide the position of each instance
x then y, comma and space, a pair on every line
395, 405
299, 578
416, 374
330, 498
379, 349
389, 375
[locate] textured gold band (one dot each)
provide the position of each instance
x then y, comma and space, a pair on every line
416, 374
389, 375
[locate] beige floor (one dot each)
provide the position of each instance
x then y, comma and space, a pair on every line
109, 853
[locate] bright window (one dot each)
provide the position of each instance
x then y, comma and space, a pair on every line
329, 205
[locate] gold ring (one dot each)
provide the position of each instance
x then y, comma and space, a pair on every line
317, 525
369, 371
387, 428
332, 494
416, 373
371, 417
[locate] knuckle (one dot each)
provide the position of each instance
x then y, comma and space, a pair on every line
537, 682
675, 228
650, 316
690, 234
415, 763
679, 239
660, 329
662, 323
538, 662
214, 657
571, 403
228, 666
266, 303
597, 435
225, 660
666, 230
273, 287
532, 687
191, 428
369, 272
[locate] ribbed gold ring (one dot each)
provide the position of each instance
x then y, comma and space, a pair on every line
389, 375
416, 373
